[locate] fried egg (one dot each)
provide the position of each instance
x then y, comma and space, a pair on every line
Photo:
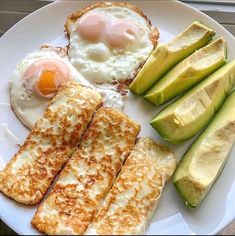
109, 41
36, 80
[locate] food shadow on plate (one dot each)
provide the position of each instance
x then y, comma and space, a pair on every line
167, 214
12, 134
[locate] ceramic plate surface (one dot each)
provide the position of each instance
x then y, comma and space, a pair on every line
46, 26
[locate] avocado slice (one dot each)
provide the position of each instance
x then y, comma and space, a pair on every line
183, 118
165, 56
188, 72
205, 159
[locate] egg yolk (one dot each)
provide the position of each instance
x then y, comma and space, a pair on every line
97, 27
92, 26
47, 83
123, 34
45, 76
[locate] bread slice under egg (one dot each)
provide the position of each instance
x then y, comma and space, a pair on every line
49, 145
153, 35
136, 192
88, 175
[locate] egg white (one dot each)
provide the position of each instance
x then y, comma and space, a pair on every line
99, 63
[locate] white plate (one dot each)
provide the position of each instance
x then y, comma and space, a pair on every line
46, 26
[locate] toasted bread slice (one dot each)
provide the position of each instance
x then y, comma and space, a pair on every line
136, 192
88, 175
49, 145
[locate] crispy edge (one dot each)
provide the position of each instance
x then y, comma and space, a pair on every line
153, 35
143, 143
36, 221
148, 142
12, 160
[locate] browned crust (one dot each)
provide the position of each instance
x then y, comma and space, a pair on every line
29, 183
61, 51
153, 36
103, 149
143, 168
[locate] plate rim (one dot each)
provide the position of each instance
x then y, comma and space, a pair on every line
182, 4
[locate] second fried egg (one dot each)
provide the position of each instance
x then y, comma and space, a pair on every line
109, 42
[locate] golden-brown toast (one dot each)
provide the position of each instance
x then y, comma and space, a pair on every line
49, 145
136, 192
88, 175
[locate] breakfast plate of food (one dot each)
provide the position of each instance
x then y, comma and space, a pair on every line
117, 118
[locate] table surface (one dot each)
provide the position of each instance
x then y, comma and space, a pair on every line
5, 230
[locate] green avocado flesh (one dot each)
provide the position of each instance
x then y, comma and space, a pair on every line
188, 72
205, 159
186, 116
165, 56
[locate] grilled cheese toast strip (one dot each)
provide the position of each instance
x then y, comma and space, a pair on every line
88, 175
49, 145
131, 202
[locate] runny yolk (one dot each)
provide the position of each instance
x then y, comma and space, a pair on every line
45, 76
47, 83
97, 27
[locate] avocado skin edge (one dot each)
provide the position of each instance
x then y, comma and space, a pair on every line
135, 87
187, 203
212, 128
182, 195
161, 93
159, 122
178, 141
